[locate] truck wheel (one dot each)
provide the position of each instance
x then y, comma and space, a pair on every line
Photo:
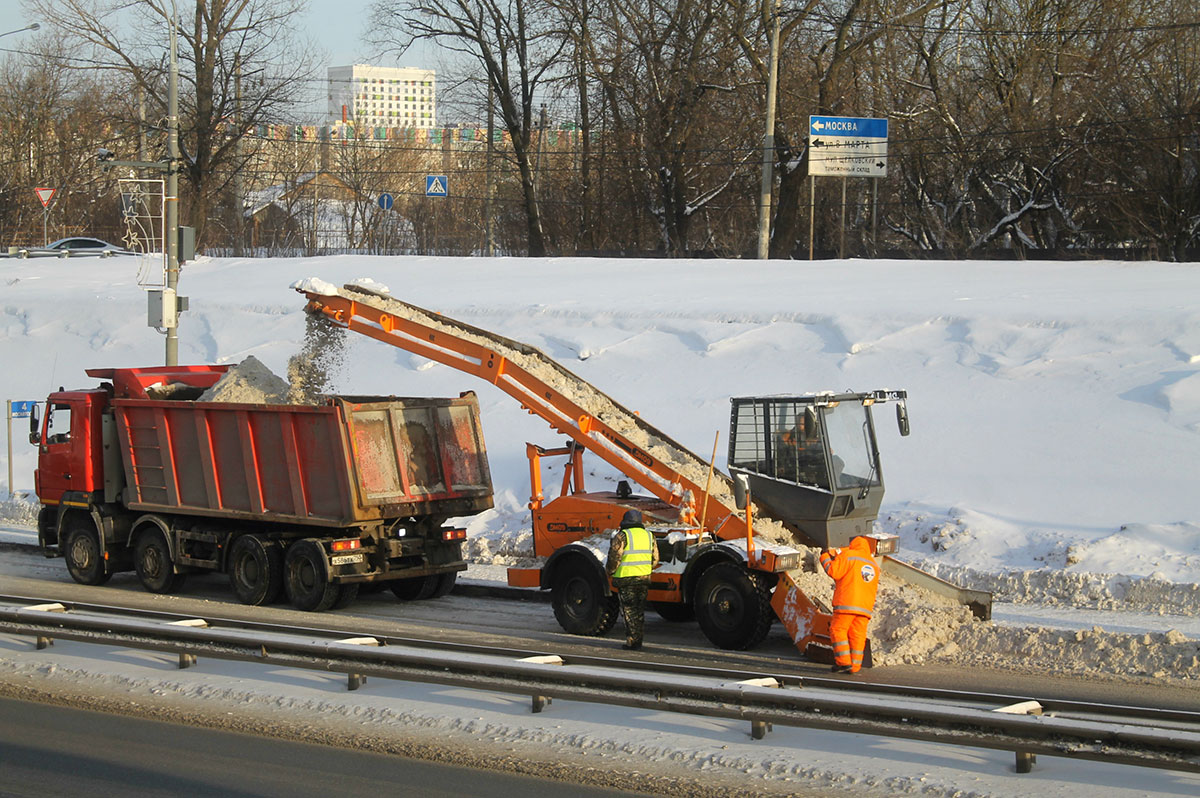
346, 596
583, 604
417, 588
255, 570
307, 587
674, 611
733, 606
445, 583
82, 553
152, 561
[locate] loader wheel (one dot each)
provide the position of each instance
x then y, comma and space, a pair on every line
733, 606
255, 570
674, 611
583, 604
152, 561
82, 553
307, 586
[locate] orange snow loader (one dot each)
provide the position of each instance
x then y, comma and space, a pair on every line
808, 464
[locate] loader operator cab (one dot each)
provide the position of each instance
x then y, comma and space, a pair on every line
812, 460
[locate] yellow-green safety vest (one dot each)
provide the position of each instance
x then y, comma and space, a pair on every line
638, 557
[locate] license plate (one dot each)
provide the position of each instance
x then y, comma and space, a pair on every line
345, 559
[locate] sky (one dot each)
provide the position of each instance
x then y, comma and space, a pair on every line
337, 28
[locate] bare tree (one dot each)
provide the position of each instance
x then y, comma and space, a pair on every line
512, 41
218, 38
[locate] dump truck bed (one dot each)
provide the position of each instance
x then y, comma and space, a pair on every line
353, 461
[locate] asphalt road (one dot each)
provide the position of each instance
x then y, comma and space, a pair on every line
531, 625
50, 751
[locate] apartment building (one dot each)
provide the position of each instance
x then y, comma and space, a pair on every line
383, 96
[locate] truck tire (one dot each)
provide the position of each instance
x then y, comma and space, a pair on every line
82, 553
346, 596
445, 583
152, 561
733, 606
307, 586
255, 570
583, 604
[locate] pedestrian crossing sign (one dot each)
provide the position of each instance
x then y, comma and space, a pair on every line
436, 186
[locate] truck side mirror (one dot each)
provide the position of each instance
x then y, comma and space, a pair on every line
741, 491
35, 434
902, 418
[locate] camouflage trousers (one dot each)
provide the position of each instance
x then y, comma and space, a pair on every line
632, 590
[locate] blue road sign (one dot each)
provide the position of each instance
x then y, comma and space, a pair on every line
385, 201
436, 186
847, 146
22, 408
848, 127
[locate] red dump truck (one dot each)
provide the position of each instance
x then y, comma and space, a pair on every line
315, 501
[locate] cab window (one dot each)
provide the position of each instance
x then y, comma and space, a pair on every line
58, 424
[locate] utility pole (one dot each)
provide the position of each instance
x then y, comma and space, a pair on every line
489, 235
239, 184
172, 199
768, 161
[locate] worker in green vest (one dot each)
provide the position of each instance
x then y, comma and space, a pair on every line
632, 555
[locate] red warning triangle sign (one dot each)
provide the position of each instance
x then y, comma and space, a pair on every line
45, 195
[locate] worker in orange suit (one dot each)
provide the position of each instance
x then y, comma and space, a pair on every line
856, 581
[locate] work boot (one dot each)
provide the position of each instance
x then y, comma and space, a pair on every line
632, 646
841, 669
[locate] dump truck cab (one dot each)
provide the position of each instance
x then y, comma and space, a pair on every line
813, 460
70, 451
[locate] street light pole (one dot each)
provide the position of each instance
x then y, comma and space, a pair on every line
768, 162
33, 26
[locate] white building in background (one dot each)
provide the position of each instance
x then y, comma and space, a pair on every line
383, 96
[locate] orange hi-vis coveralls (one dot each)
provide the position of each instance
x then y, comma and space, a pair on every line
856, 581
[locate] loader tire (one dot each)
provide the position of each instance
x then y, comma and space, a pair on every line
583, 604
308, 588
82, 553
255, 570
733, 606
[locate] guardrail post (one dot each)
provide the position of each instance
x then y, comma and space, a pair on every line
759, 728
1025, 759
187, 659
357, 680
42, 641
540, 702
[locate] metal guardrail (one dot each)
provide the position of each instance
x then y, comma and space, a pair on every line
1172, 744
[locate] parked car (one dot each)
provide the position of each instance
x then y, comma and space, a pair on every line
82, 245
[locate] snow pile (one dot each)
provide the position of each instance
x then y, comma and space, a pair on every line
249, 382
20, 509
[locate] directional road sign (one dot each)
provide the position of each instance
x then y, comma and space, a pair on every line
386, 201
21, 408
847, 145
436, 186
